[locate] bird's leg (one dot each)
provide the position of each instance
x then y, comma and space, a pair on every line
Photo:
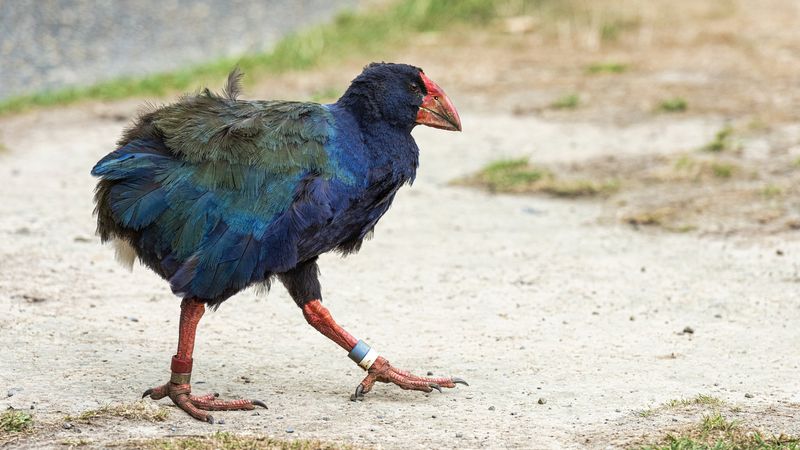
377, 367
179, 388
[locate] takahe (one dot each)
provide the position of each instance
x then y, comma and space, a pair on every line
216, 194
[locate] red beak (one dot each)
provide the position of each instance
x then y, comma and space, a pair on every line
436, 109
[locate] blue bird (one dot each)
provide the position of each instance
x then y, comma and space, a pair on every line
215, 194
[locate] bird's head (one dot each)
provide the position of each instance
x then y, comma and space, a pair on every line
401, 95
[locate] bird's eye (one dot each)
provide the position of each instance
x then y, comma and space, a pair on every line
414, 88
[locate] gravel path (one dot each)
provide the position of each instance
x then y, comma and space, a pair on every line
56, 43
526, 298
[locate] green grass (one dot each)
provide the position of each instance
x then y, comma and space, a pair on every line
328, 94
507, 175
606, 67
568, 101
715, 432
519, 176
771, 191
700, 399
723, 140
673, 105
366, 34
722, 170
230, 441
14, 421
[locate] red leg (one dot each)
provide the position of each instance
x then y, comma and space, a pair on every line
179, 387
380, 370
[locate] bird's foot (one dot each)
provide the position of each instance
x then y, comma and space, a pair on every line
197, 405
384, 372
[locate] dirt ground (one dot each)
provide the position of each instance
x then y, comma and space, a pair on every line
574, 331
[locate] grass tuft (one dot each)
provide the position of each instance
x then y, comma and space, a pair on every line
723, 140
518, 176
715, 432
568, 101
771, 191
722, 170
130, 411
230, 441
673, 105
700, 399
14, 421
606, 67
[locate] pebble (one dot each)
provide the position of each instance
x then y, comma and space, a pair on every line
491, 408
433, 416
541, 401
66, 426
290, 430
688, 330
748, 395
458, 435
14, 390
430, 373
221, 421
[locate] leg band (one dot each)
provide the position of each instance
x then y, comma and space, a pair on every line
363, 355
180, 378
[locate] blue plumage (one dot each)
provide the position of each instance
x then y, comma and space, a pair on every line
216, 193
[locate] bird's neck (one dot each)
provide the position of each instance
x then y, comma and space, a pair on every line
387, 146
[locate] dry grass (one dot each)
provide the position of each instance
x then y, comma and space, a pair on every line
715, 189
715, 432
520, 177
143, 411
230, 441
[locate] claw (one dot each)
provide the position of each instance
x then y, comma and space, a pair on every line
147, 393
259, 403
435, 386
457, 380
358, 395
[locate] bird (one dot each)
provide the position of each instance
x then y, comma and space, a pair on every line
215, 194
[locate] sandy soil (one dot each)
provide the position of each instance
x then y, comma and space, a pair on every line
527, 298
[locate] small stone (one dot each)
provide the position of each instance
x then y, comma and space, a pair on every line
748, 395
433, 416
631, 318
221, 421
430, 373
491, 408
326, 418
279, 417
66, 426
458, 435
133, 319
688, 330
172, 429
541, 401
290, 430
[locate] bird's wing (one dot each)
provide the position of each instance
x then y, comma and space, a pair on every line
222, 197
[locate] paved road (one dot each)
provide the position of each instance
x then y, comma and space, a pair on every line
55, 43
